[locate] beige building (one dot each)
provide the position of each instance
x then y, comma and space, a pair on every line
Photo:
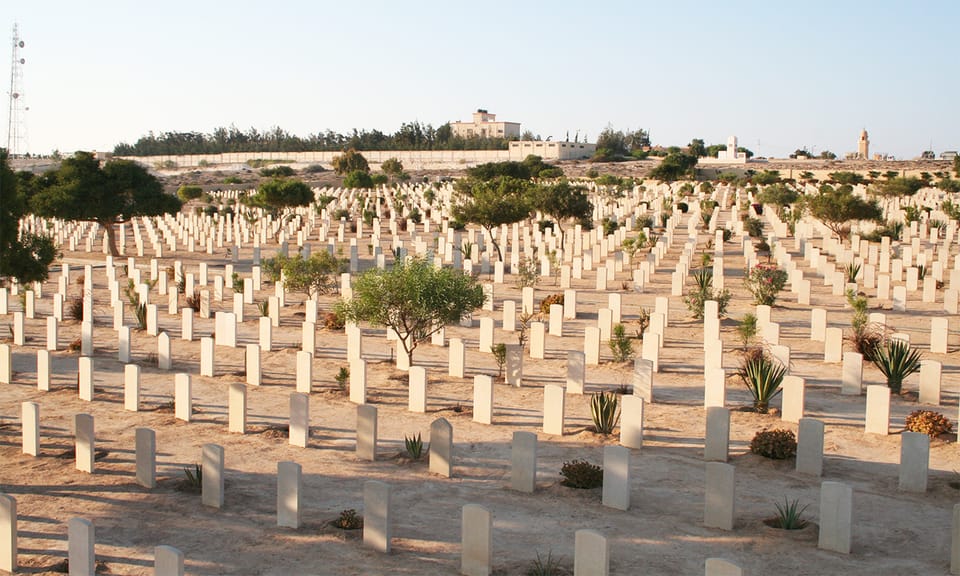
485, 125
520, 149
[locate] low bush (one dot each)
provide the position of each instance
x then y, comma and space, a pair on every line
581, 474
333, 321
778, 444
349, 520
549, 301
621, 346
928, 422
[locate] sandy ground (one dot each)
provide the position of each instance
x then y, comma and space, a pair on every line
662, 533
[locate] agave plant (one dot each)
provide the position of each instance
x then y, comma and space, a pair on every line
763, 376
897, 360
414, 446
790, 514
851, 271
605, 410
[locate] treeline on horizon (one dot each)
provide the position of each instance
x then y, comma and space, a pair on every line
410, 136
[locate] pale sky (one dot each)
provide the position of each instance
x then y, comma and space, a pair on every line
779, 75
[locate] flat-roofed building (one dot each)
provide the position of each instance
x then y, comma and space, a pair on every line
485, 125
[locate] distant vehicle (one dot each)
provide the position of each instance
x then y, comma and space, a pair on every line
948, 155
928, 155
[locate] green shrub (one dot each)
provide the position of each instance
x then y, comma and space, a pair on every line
621, 346
694, 299
277, 171
500, 356
753, 226
747, 329
342, 377
358, 179
187, 193
864, 336
581, 474
605, 411
778, 444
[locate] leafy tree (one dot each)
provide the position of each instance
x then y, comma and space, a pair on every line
413, 298
491, 203
280, 193
494, 170
314, 275
81, 190
837, 207
766, 177
187, 193
778, 196
562, 201
956, 166
392, 167
949, 185
697, 148
350, 161
674, 166
828, 155
23, 256
358, 179
848, 178
900, 187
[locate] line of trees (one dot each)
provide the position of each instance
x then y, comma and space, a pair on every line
410, 136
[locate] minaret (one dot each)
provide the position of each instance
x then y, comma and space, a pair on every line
863, 147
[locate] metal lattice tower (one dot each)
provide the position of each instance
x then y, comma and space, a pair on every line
16, 125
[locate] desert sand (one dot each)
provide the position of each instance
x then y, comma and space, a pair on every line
662, 533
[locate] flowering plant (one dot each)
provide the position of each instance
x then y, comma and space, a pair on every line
765, 281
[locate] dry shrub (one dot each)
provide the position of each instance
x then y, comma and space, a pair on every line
778, 444
928, 422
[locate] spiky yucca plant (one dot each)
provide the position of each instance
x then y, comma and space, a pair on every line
762, 376
605, 410
897, 360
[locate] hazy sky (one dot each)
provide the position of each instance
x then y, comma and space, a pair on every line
780, 75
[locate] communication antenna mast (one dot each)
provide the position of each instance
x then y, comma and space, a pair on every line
16, 127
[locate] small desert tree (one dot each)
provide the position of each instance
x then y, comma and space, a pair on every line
491, 203
563, 201
83, 190
280, 193
837, 207
413, 298
314, 275
349, 161
392, 167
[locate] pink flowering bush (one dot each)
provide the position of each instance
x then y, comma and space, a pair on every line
765, 281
